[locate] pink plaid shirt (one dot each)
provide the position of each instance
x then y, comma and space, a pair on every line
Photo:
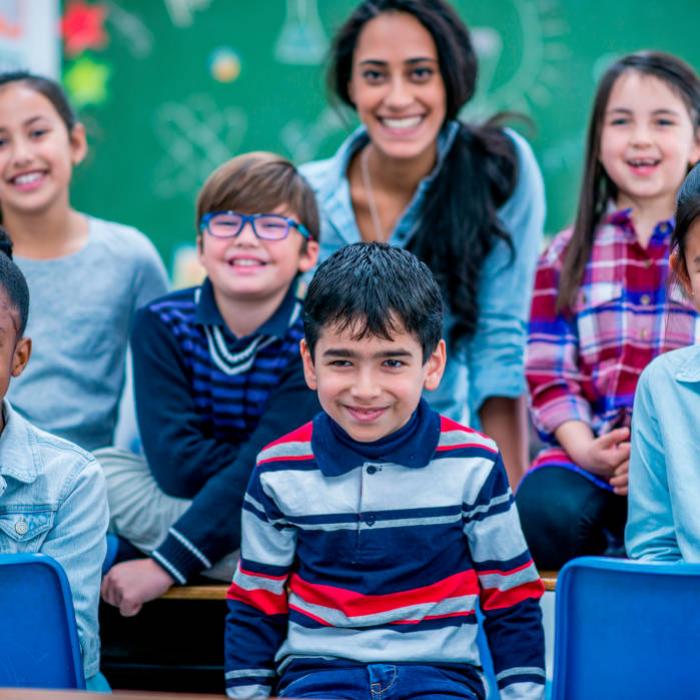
584, 364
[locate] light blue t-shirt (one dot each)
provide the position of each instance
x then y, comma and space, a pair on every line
491, 362
664, 476
80, 311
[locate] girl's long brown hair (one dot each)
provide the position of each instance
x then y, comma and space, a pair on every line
597, 189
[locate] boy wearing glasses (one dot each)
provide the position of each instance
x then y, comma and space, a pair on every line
217, 376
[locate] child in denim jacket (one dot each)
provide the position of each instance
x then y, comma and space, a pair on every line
52, 493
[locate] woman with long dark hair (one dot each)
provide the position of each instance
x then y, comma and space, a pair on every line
468, 200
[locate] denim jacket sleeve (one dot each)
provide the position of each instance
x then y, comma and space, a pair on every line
495, 354
77, 541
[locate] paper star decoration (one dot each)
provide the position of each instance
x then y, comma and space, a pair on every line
82, 27
86, 81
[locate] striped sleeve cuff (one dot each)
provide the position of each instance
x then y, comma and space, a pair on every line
179, 557
249, 683
523, 683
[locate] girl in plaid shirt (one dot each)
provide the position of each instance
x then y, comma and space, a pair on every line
602, 309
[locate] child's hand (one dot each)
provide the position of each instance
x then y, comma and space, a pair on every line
601, 455
130, 584
620, 479
604, 454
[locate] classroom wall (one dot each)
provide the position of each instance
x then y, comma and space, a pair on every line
169, 89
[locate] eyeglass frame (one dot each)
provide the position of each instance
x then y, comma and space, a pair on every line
250, 218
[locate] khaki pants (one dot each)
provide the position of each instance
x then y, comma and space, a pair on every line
140, 511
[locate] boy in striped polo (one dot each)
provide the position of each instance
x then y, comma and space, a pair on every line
371, 533
217, 375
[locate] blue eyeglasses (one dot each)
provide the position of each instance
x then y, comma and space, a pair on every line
267, 227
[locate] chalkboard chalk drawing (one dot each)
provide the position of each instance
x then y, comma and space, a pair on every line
302, 40
86, 81
538, 67
82, 27
303, 140
138, 37
196, 136
224, 64
182, 11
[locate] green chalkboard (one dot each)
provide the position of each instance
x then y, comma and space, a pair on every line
172, 88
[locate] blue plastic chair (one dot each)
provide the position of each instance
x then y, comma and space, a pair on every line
38, 637
626, 629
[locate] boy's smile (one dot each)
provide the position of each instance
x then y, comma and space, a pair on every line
370, 386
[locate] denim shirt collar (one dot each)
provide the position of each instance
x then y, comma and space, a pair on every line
334, 194
689, 371
19, 458
208, 314
411, 446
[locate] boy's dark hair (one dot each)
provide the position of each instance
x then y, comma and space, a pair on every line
455, 230
597, 189
50, 89
13, 282
687, 212
256, 183
375, 290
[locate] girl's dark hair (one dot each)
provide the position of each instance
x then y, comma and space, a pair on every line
456, 229
50, 89
13, 282
687, 212
374, 289
597, 189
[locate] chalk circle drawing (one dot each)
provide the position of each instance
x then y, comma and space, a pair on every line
224, 64
196, 136
138, 37
538, 68
181, 12
302, 40
303, 140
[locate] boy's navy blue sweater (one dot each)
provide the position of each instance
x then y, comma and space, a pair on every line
207, 403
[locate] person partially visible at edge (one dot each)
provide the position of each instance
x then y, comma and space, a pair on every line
87, 276
371, 533
602, 310
217, 375
468, 200
53, 498
664, 478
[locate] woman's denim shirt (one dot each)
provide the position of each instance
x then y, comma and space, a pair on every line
53, 500
491, 363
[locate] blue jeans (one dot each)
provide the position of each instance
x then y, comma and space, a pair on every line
379, 682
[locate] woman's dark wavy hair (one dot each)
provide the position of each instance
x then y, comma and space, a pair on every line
458, 227
597, 189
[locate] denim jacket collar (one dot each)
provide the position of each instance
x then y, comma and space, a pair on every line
19, 457
689, 371
334, 194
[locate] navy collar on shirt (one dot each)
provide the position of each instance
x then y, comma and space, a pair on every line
208, 313
412, 446
623, 218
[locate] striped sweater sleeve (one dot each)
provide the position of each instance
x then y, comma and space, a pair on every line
256, 623
510, 588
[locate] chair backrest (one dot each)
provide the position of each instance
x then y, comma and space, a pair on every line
38, 638
626, 629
